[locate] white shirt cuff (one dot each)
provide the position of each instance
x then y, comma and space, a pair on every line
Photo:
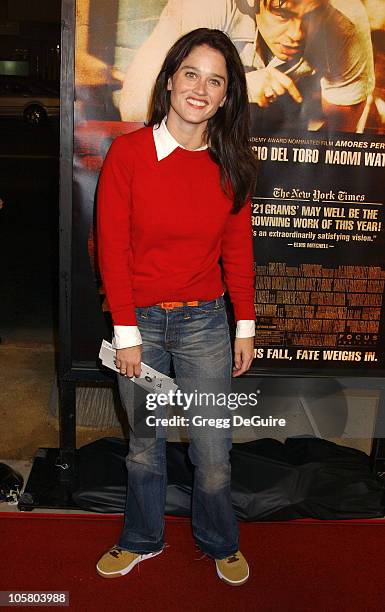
126, 336
245, 329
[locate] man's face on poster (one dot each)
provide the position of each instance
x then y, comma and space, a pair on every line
284, 24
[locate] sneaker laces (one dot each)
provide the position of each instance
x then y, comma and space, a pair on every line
230, 559
115, 551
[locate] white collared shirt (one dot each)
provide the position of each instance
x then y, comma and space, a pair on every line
165, 142
126, 336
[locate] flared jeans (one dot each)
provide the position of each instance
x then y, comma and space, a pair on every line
197, 340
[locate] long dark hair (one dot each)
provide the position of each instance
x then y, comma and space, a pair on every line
228, 130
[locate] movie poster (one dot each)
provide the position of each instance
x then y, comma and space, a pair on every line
315, 74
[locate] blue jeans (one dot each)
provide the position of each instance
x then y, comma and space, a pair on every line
197, 339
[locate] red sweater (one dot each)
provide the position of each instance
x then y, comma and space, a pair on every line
164, 225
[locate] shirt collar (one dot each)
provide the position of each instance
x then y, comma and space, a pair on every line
165, 143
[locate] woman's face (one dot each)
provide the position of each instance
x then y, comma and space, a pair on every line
198, 87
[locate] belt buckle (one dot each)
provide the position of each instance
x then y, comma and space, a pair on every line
169, 305
172, 305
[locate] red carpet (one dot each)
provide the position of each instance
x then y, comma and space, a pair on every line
315, 566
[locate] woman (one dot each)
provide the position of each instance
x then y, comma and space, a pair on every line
173, 202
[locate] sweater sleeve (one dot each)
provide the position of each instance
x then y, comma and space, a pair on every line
113, 226
237, 262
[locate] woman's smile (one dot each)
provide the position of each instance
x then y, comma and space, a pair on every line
196, 102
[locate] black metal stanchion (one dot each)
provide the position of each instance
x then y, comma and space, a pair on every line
67, 439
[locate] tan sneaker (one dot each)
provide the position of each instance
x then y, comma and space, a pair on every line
118, 562
233, 569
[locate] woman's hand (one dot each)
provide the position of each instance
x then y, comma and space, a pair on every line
243, 355
128, 360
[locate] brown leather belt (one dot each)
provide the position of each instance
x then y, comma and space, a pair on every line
171, 305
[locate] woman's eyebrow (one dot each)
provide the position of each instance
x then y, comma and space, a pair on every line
214, 74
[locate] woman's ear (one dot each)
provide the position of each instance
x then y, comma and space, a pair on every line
169, 84
223, 102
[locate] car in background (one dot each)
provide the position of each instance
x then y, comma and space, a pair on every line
24, 99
